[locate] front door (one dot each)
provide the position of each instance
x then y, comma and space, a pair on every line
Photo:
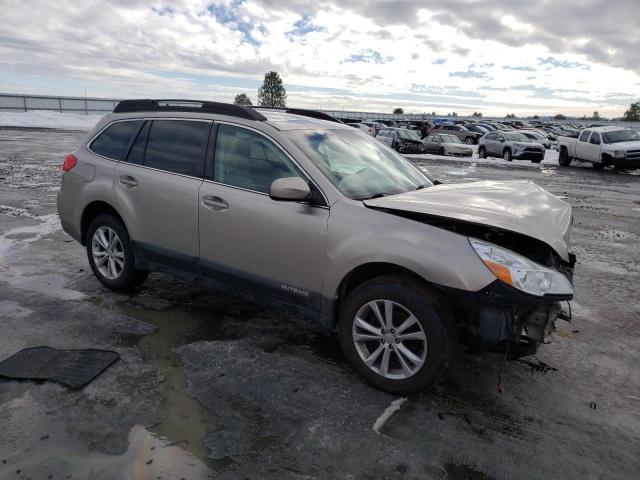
249, 240
157, 190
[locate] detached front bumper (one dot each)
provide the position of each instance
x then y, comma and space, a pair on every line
500, 314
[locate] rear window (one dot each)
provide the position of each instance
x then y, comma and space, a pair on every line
177, 146
113, 141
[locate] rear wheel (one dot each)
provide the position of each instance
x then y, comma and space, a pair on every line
507, 155
482, 152
111, 255
564, 159
393, 336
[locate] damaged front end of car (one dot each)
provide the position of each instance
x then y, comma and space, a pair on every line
518, 311
532, 288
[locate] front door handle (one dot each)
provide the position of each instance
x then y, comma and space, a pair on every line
128, 181
216, 203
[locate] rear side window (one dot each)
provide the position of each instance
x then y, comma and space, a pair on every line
249, 160
113, 141
177, 146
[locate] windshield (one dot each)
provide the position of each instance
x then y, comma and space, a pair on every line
517, 137
357, 165
450, 139
621, 136
408, 134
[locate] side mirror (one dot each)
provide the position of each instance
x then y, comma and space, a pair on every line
289, 189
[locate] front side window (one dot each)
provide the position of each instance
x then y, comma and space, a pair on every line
595, 138
246, 159
177, 146
357, 165
113, 141
585, 136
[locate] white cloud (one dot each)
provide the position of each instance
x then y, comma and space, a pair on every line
344, 55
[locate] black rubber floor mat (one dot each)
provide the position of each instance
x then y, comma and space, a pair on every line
74, 368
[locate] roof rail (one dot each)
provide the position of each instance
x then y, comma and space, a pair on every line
194, 106
303, 112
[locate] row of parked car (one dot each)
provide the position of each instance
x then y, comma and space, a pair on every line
517, 139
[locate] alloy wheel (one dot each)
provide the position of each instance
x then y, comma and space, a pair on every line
389, 339
107, 252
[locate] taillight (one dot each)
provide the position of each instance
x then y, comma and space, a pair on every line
69, 163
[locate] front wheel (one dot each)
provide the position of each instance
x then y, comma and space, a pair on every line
393, 336
111, 255
598, 166
507, 155
469, 141
482, 152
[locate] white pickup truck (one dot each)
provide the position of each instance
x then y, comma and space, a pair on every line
602, 146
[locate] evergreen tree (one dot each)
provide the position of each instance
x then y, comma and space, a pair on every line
242, 99
633, 114
272, 93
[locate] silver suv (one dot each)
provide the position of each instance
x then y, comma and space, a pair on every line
510, 146
295, 207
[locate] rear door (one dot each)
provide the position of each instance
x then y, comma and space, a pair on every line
157, 190
246, 238
582, 145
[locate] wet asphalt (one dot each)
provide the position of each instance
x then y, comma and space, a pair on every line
216, 386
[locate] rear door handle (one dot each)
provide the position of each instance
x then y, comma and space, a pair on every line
128, 181
216, 203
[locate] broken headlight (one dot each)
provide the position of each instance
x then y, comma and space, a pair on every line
521, 272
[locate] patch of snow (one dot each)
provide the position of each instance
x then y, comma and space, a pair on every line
31, 278
387, 414
48, 119
15, 211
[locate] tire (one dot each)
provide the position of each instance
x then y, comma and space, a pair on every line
482, 152
506, 155
598, 166
408, 297
121, 275
536, 160
441, 151
564, 159
469, 141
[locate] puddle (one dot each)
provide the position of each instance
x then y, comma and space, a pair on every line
148, 457
184, 421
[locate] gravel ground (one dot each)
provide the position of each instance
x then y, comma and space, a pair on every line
213, 386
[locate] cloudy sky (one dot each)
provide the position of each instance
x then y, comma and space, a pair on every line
495, 56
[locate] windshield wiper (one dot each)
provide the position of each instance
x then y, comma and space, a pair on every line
375, 195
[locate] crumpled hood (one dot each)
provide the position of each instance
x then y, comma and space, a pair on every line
517, 206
